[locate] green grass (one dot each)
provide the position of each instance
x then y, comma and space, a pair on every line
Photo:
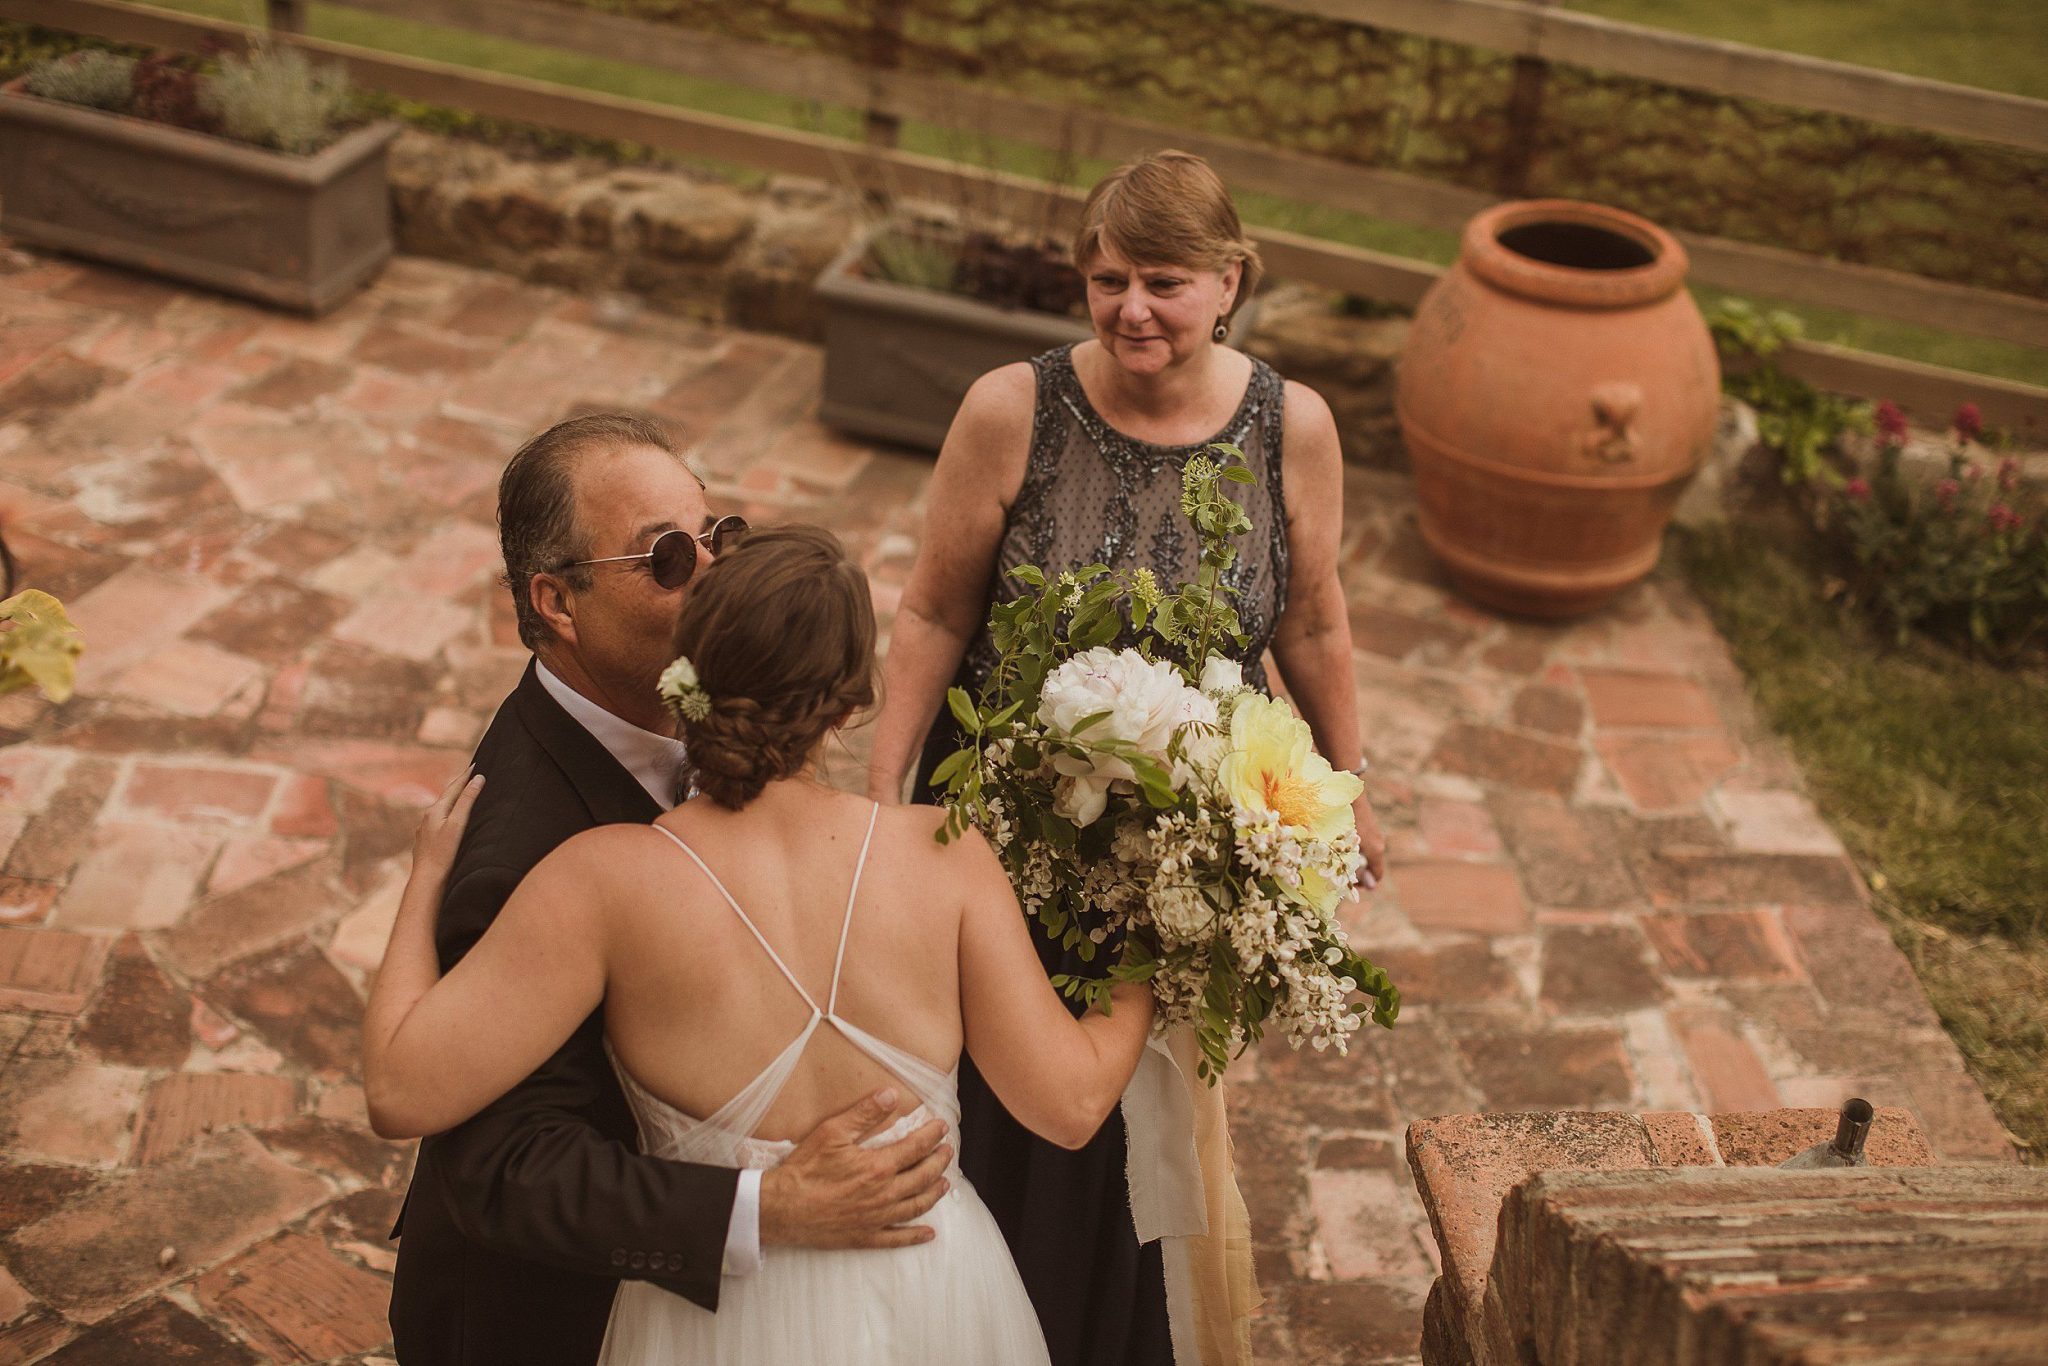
1931, 345
1995, 44
1931, 767
462, 48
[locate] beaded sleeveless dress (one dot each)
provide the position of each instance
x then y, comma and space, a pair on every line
953, 1299
1092, 495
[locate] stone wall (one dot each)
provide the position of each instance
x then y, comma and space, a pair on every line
687, 243
1694, 1267
1468, 1167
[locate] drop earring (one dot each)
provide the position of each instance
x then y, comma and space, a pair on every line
1222, 330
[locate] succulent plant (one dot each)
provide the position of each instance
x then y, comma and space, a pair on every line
167, 91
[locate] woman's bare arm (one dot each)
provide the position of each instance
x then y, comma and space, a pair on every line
436, 1049
1059, 1076
977, 476
1312, 640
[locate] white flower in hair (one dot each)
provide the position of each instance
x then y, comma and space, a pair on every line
681, 690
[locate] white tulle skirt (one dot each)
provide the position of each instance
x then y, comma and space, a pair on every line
954, 1299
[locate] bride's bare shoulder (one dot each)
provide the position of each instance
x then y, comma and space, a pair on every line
605, 856
916, 832
910, 828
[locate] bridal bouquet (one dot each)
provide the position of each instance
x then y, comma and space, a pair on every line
1144, 796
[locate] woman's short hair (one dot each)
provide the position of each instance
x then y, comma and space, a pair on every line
781, 629
1167, 208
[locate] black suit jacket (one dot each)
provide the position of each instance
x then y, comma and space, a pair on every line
521, 1222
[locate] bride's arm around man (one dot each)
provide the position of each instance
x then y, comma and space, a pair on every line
521, 1223
727, 1065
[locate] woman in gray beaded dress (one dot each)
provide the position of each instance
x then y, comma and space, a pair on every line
1075, 458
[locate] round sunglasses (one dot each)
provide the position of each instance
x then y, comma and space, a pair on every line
673, 557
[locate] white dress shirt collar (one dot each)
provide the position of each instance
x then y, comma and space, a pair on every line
655, 761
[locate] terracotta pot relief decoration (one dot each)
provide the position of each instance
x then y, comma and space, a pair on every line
1557, 390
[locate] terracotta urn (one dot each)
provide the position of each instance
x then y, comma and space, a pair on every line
1557, 390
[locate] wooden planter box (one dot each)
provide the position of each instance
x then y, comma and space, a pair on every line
298, 231
898, 359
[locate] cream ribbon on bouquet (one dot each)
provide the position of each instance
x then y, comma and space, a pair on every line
1184, 1192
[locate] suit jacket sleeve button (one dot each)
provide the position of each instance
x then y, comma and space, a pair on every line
618, 1256
639, 1261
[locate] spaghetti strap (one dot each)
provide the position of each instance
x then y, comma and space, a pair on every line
846, 924
745, 1109
759, 938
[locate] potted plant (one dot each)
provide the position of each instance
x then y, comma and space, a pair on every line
254, 178
915, 312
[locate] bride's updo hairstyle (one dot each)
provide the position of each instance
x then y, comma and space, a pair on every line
781, 630
1167, 209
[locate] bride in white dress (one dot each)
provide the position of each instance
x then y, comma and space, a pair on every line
765, 955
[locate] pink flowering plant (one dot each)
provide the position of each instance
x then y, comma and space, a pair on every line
1964, 559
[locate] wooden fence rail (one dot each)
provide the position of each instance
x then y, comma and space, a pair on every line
1417, 201
1357, 270
1721, 68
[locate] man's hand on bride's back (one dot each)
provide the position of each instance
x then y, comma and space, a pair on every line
832, 1192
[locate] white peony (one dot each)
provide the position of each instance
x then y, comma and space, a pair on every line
1146, 702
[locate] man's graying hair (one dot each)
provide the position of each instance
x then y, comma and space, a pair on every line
537, 525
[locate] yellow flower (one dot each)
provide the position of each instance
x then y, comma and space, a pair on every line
39, 646
1272, 766
1319, 892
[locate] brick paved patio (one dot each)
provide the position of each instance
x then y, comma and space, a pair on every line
1609, 891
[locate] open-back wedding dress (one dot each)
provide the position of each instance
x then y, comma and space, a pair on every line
956, 1298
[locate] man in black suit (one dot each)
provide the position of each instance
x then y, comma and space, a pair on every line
521, 1222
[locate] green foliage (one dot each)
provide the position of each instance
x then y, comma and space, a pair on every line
39, 647
1991, 44
1740, 327
1797, 421
526, 138
1958, 560
98, 80
1005, 747
276, 97
25, 46
1928, 763
1077, 611
273, 97
915, 259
